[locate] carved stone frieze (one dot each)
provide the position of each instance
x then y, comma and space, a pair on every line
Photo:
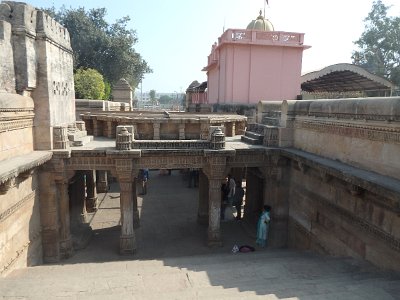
369, 132
8, 212
168, 162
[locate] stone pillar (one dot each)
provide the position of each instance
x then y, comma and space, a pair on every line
66, 249
108, 129
136, 221
102, 183
77, 195
127, 239
202, 214
276, 195
96, 127
156, 127
182, 135
49, 217
126, 177
91, 193
204, 130
214, 212
254, 196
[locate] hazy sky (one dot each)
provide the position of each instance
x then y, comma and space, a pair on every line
175, 36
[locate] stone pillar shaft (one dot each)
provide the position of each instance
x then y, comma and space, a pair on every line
136, 221
182, 135
127, 238
156, 127
102, 182
214, 212
202, 214
91, 197
66, 248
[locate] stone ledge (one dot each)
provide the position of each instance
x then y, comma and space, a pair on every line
11, 168
380, 184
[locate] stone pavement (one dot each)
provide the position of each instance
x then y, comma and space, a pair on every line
173, 261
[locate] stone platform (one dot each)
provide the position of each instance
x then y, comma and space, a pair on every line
173, 261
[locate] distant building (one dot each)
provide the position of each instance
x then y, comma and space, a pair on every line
253, 64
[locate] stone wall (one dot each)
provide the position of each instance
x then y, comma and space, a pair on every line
36, 94
16, 122
331, 216
344, 179
40, 48
20, 228
360, 132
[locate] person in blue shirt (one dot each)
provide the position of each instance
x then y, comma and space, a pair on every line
144, 177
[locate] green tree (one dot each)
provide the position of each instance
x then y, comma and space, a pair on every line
89, 84
152, 95
379, 45
108, 48
165, 99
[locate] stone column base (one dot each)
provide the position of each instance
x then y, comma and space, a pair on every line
91, 204
136, 220
127, 244
66, 248
214, 239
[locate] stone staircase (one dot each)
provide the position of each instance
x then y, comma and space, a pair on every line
266, 274
252, 138
79, 138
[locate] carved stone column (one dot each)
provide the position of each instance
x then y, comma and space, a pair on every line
275, 181
102, 183
124, 168
108, 129
156, 127
214, 212
91, 193
127, 239
182, 135
77, 194
136, 220
202, 214
66, 248
215, 171
96, 127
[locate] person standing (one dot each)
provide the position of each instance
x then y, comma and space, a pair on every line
231, 188
238, 202
263, 226
144, 177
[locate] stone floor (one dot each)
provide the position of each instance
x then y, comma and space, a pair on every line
173, 261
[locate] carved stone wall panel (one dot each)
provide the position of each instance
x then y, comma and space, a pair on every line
369, 132
168, 162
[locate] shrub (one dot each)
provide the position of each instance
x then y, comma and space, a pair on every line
89, 84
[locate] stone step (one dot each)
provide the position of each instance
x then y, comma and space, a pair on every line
254, 135
250, 140
81, 141
77, 135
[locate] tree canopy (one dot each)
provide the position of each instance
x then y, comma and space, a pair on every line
108, 48
89, 84
379, 45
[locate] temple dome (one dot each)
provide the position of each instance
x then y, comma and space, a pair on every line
260, 24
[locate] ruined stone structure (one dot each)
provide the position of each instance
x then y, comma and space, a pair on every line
122, 92
328, 168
